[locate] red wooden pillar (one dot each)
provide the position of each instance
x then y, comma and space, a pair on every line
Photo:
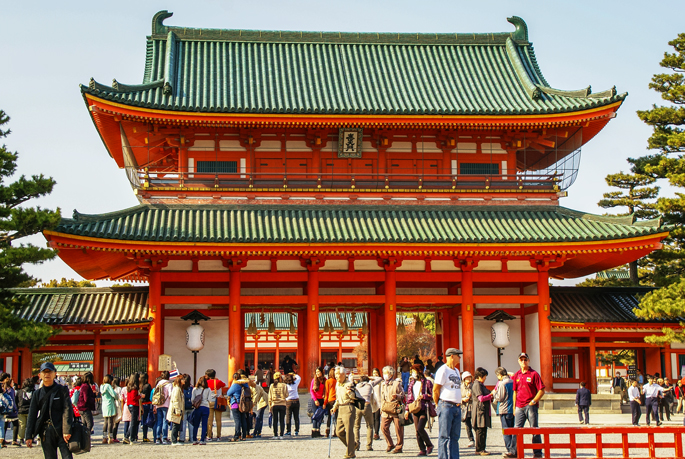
371, 345
545, 333
592, 357
438, 337
15, 365
26, 363
469, 357
236, 332
380, 339
523, 322
154, 336
312, 349
390, 313
97, 357
668, 370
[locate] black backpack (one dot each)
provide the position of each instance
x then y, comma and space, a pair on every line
245, 405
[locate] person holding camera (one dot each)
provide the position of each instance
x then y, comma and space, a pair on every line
50, 415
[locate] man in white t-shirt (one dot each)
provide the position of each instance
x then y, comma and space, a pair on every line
447, 397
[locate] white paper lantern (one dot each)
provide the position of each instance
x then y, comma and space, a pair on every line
195, 337
500, 335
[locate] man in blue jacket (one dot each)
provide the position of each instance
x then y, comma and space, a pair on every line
583, 402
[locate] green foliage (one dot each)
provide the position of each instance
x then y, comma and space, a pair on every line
69, 283
668, 137
125, 284
18, 221
412, 342
605, 282
40, 358
637, 198
664, 303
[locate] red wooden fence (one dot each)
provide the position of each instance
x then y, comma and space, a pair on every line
600, 445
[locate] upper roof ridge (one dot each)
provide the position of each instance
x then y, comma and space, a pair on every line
160, 31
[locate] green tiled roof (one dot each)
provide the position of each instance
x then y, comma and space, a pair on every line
84, 306
353, 224
599, 304
248, 71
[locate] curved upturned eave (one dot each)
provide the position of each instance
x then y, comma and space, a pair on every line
573, 105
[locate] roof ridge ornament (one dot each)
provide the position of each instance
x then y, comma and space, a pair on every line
158, 26
521, 32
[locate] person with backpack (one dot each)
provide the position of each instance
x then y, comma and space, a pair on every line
11, 418
504, 397
50, 416
188, 411
86, 401
365, 390
200, 402
160, 399
7, 406
240, 400
215, 410
23, 401
292, 403
259, 403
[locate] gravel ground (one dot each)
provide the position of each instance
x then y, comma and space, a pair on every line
305, 447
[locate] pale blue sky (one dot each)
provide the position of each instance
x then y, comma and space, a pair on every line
48, 48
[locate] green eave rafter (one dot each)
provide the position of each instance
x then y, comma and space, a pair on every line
290, 72
354, 224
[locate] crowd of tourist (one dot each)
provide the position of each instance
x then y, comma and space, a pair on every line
172, 410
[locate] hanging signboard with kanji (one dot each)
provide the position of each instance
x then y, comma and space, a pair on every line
350, 143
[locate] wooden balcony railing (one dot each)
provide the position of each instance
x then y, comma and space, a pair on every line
396, 180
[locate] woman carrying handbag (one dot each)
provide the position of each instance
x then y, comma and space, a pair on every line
177, 406
419, 398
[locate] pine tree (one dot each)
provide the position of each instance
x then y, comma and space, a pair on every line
634, 196
668, 162
68, 283
16, 222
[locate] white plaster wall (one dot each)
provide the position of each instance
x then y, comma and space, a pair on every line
533, 340
486, 353
214, 355
674, 367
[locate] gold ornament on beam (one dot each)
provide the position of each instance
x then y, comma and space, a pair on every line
272, 325
365, 325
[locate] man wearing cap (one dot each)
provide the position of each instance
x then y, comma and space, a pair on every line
447, 397
50, 415
528, 390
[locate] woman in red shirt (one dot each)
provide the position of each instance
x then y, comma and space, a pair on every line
133, 402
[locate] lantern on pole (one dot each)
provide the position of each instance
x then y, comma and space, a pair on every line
499, 332
195, 336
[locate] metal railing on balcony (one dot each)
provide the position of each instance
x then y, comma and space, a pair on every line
395, 180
